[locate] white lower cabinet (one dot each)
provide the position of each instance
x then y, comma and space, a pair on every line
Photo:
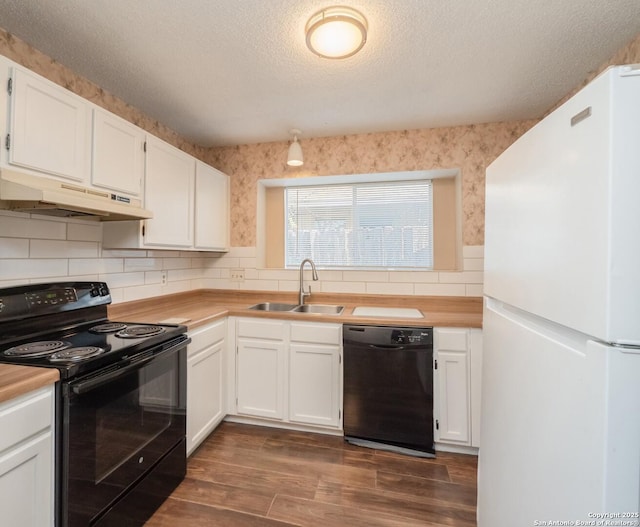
26, 460
206, 386
457, 355
261, 368
289, 371
314, 374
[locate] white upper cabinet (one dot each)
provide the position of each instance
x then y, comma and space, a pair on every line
169, 194
189, 201
118, 154
49, 128
212, 209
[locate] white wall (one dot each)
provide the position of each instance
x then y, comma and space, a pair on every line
35, 248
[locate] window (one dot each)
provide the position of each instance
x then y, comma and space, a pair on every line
365, 225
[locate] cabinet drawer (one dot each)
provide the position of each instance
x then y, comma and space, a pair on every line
25, 416
451, 339
207, 335
261, 329
316, 333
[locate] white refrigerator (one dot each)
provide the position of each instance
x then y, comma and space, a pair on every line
560, 431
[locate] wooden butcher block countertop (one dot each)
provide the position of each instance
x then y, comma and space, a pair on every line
19, 380
200, 307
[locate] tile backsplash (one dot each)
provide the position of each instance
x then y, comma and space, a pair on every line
467, 282
42, 249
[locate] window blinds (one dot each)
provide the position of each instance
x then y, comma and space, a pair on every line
366, 225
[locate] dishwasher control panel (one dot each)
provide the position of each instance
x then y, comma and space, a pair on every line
388, 336
411, 336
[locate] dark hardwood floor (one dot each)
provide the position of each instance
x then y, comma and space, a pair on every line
247, 476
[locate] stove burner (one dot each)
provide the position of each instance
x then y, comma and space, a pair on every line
36, 349
136, 332
76, 354
109, 327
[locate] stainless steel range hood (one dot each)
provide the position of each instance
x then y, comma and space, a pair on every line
39, 195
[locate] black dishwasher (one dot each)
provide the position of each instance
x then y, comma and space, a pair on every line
388, 388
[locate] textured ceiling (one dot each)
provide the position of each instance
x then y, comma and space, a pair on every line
226, 72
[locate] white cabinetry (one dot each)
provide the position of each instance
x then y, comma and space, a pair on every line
189, 201
261, 368
453, 385
289, 371
457, 353
49, 128
169, 190
169, 194
212, 209
26, 460
206, 385
117, 161
314, 374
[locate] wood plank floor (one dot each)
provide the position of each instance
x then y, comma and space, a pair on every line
248, 476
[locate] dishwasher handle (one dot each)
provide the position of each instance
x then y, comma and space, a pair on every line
386, 347
363, 346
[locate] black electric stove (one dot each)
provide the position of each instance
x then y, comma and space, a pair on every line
120, 403
65, 326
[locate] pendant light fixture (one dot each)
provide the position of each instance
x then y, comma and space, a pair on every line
336, 32
295, 159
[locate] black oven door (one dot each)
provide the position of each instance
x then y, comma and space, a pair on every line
117, 428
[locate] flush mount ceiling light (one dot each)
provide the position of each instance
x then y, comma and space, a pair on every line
336, 32
295, 159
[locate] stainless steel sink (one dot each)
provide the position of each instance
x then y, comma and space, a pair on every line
324, 309
272, 306
318, 308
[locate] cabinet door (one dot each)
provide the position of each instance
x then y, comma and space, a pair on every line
118, 154
50, 126
212, 209
453, 392
26, 476
204, 393
314, 390
169, 193
260, 381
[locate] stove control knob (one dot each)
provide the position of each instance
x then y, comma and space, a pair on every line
95, 292
104, 291
1, 305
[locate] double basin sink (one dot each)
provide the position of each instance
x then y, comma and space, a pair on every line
323, 309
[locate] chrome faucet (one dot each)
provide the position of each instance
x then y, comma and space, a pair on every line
303, 294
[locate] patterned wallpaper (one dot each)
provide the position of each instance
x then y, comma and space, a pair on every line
470, 148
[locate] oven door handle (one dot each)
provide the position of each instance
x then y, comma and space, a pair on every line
92, 384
